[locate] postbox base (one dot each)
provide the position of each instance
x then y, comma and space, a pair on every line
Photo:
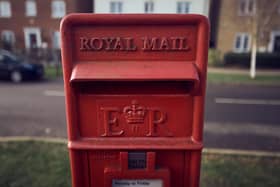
107, 168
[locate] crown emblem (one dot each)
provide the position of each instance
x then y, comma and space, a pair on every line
134, 113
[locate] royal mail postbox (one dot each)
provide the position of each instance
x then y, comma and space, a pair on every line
135, 87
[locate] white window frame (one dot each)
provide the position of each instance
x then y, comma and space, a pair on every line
32, 30
247, 11
8, 34
149, 7
116, 7
183, 7
273, 35
58, 8
56, 40
30, 8
5, 9
242, 48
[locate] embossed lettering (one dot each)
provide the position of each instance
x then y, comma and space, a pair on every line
84, 44
175, 43
110, 120
183, 44
118, 44
104, 155
131, 118
109, 43
96, 44
150, 44
156, 118
164, 45
135, 129
130, 46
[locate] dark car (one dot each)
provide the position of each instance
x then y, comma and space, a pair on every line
16, 70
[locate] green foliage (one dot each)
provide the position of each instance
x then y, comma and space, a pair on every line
52, 72
264, 60
214, 58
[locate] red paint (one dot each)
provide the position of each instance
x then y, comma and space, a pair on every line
135, 83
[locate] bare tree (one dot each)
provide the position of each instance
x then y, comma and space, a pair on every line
261, 19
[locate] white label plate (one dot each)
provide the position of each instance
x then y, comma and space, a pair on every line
137, 183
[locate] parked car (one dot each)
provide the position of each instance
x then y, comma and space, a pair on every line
14, 69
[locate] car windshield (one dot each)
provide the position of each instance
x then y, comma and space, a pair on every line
8, 58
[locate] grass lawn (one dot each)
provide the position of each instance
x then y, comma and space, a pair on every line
240, 171
52, 72
42, 164
243, 79
34, 164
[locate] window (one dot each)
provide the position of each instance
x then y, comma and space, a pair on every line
149, 7
183, 7
30, 8
242, 42
116, 7
274, 44
5, 9
58, 9
247, 7
8, 37
56, 40
32, 37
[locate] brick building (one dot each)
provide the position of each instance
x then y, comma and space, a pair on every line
26, 24
237, 23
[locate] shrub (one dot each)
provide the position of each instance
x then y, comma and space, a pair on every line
264, 60
214, 58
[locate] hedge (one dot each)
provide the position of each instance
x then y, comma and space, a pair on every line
264, 60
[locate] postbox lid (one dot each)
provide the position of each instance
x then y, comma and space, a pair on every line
131, 71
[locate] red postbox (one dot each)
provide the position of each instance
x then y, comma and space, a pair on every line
135, 87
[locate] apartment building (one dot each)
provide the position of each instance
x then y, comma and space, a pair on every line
152, 6
27, 24
239, 23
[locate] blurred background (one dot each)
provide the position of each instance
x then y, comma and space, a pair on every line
243, 92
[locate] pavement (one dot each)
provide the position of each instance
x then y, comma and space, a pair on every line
243, 71
236, 116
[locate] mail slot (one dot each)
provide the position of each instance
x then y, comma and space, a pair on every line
135, 87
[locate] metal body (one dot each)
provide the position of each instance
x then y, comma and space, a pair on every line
135, 87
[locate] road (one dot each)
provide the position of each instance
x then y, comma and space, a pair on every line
243, 117
236, 117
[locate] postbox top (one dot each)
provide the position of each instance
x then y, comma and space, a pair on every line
134, 47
